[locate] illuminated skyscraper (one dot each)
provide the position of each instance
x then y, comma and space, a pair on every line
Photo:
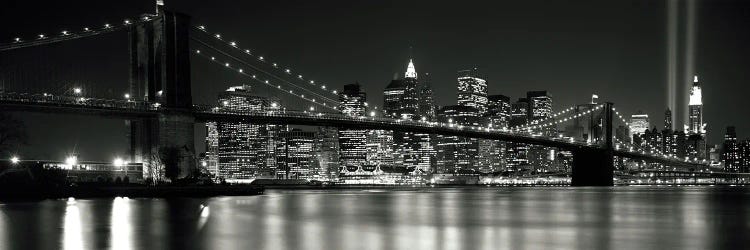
516, 154
499, 110
454, 153
540, 109
380, 147
639, 123
327, 152
242, 149
402, 100
668, 120
695, 109
731, 151
352, 142
540, 106
472, 90
294, 155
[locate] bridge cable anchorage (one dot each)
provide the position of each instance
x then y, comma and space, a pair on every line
287, 70
67, 35
265, 82
261, 70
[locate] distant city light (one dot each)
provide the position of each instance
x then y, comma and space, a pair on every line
14, 160
71, 160
77, 90
127, 96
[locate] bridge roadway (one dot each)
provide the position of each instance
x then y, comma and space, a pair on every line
134, 109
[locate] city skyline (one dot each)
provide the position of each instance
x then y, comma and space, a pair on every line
443, 80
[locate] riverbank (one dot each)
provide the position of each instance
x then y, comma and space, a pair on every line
129, 191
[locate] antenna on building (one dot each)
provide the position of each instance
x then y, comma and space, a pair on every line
159, 6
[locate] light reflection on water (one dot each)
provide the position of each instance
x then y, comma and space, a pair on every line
463, 218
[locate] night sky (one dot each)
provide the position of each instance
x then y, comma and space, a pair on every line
616, 49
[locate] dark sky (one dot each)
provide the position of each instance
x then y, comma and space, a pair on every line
573, 49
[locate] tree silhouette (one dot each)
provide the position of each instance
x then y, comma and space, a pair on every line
12, 132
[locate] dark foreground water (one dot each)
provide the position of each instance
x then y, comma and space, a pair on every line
461, 218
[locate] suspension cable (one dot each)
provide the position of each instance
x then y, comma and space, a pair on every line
262, 71
240, 71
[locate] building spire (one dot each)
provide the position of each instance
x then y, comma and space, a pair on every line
410, 71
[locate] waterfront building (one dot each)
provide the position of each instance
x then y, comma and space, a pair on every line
380, 148
516, 153
402, 100
352, 142
454, 153
294, 155
327, 153
242, 149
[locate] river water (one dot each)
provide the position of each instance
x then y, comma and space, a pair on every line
437, 218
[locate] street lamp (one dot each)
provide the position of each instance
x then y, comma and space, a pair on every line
77, 91
14, 160
118, 162
127, 96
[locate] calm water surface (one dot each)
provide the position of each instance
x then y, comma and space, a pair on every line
461, 218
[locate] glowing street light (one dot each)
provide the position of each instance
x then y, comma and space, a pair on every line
118, 162
127, 96
77, 91
15, 160
372, 113
274, 105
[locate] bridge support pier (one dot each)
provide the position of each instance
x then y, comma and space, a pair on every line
593, 167
160, 72
596, 166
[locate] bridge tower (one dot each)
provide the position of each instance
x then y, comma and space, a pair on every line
160, 73
595, 166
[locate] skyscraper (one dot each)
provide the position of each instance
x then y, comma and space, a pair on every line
540, 106
242, 149
731, 151
639, 123
516, 154
352, 142
454, 153
380, 147
327, 152
668, 120
540, 109
472, 90
499, 110
402, 100
294, 155
695, 108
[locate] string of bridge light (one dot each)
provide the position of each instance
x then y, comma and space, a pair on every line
524, 127
620, 116
267, 82
209, 46
107, 27
286, 70
557, 121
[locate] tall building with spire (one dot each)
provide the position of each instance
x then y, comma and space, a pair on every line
695, 109
403, 100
